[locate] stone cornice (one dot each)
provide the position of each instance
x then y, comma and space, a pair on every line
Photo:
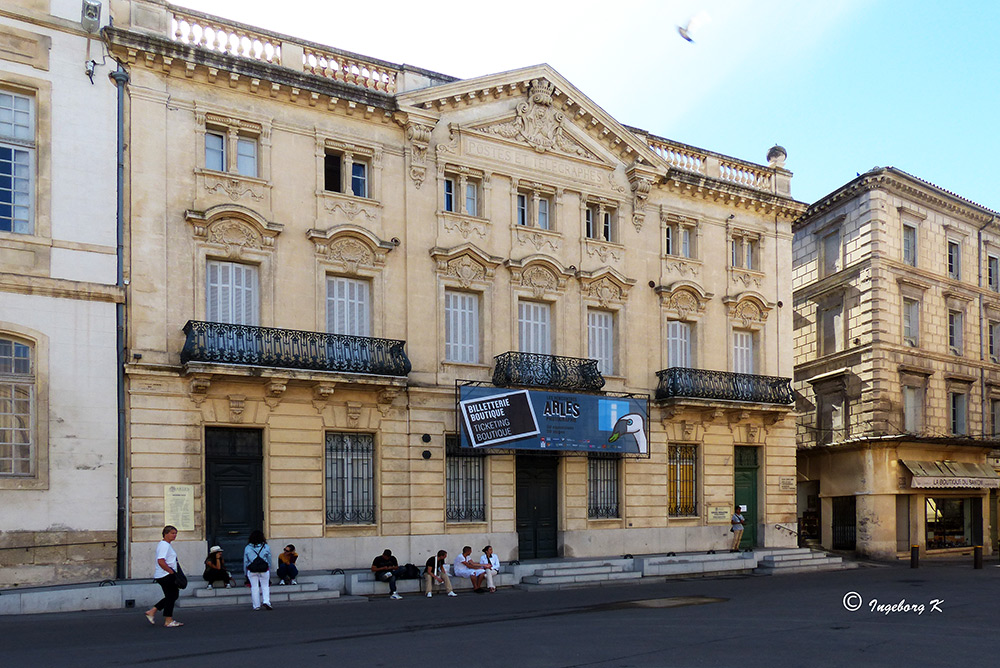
906, 185
708, 188
42, 286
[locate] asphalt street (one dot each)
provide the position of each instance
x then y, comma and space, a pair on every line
938, 615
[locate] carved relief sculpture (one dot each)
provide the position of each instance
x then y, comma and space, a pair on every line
539, 125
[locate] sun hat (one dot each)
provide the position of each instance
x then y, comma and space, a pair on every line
214, 549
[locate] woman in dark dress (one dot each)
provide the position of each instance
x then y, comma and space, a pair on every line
215, 568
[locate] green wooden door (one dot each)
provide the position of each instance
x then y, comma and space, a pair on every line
745, 473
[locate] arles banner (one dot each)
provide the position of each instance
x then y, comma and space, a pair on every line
543, 420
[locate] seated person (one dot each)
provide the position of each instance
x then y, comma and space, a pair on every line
287, 570
386, 569
465, 567
435, 571
492, 564
215, 568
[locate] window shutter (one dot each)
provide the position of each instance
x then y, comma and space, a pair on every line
533, 326
742, 352
461, 327
678, 344
347, 306
601, 335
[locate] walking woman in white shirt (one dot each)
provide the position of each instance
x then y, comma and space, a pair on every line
166, 567
492, 563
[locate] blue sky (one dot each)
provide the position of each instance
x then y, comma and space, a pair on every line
843, 85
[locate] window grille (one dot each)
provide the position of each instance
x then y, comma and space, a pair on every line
602, 487
17, 398
350, 478
465, 482
683, 462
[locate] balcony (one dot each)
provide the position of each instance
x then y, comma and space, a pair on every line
722, 386
220, 343
549, 371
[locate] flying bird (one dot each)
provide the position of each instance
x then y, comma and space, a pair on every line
631, 424
687, 31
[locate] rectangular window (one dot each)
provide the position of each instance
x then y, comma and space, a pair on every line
348, 306
449, 195
743, 352
685, 242
215, 151
472, 198
993, 272
831, 253
246, 157
543, 213
359, 179
958, 413
744, 253
910, 245
232, 293
602, 487
465, 482
830, 420
533, 325
913, 409
954, 260
608, 230
833, 331
955, 331
995, 417
17, 409
601, 339
332, 174
911, 322
994, 340
590, 217
522, 209
17, 158
350, 478
669, 239
461, 327
679, 344
682, 469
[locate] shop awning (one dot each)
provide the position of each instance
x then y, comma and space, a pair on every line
951, 475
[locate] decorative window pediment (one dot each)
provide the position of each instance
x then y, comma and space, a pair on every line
684, 300
539, 275
605, 287
235, 230
351, 249
465, 266
749, 310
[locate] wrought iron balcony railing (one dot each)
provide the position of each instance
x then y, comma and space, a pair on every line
552, 371
723, 385
221, 343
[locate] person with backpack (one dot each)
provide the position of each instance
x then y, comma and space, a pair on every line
386, 569
257, 566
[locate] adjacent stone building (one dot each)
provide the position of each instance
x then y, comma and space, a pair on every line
59, 296
325, 248
897, 367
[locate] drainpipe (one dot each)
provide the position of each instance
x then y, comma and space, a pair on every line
982, 320
120, 77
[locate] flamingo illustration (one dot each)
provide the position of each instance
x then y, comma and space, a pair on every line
631, 424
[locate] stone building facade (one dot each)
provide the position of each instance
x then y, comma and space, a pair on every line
897, 367
324, 247
59, 298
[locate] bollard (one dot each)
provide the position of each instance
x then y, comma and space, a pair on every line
914, 556
977, 556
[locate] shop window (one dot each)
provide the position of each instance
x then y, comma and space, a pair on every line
948, 522
465, 482
602, 486
682, 474
350, 478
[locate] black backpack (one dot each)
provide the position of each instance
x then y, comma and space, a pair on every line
410, 572
258, 565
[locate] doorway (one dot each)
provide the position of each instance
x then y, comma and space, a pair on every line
745, 471
233, 489
536, 506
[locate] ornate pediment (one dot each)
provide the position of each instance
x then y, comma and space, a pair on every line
605, 286
749, 309
540, 275
235, 229
351, 248
465, 265
683, 299
539, 124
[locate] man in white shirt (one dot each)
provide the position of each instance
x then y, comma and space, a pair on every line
465, 567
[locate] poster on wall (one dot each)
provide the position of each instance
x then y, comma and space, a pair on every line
178, 506
543, 420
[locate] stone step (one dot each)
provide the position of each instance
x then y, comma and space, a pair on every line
204, 592
364, 584
805, 561
805, 568
581, 579
548, 572
242, 597
699, 567
793, 557
581, 563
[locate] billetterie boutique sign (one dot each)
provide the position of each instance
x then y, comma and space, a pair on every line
540, 420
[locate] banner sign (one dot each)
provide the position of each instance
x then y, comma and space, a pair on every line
541, 420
